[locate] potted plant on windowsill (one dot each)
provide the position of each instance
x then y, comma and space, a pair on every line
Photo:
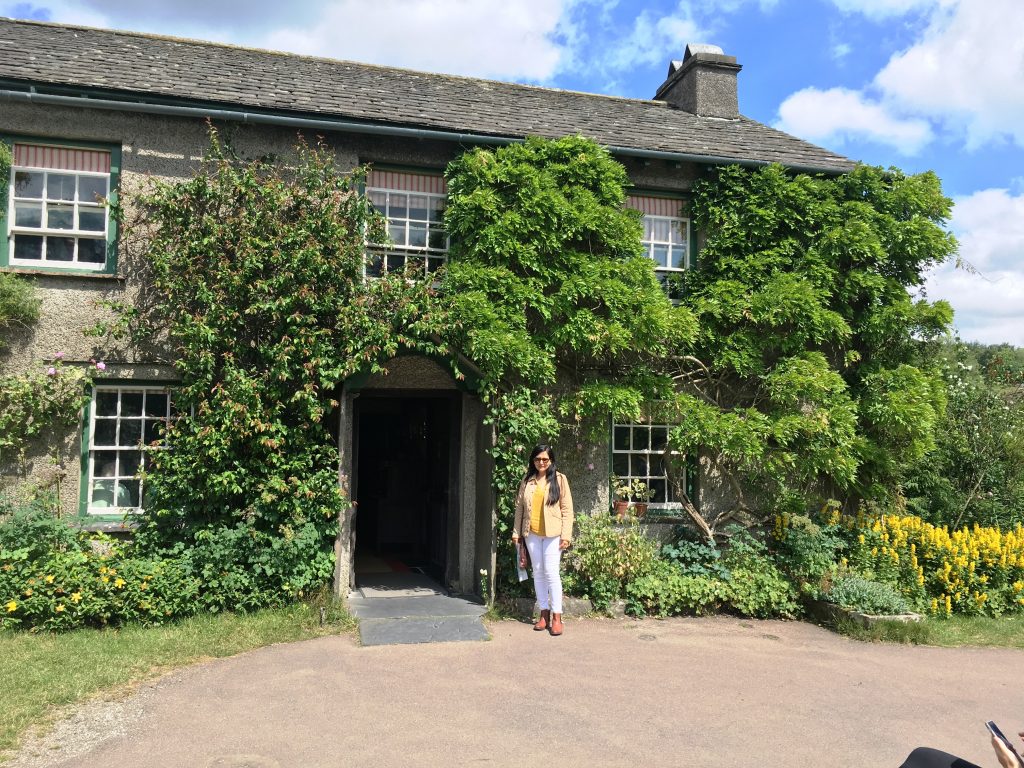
621, 490
641, 494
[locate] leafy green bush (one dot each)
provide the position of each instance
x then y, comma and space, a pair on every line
669, 591
606, 556
757, 587
31, 527
85, 581
696, 558
807, 552
867, 596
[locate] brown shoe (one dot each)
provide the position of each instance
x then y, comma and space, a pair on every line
542, 622
556, 624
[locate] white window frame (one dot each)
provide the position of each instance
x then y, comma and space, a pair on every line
637, 448
397, 254
95, 452
679, 236
46, 204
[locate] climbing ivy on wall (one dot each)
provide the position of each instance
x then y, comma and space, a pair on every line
257, 272
552, 297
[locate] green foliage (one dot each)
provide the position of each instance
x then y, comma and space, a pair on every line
668, 591
40, 407
55, 578
548, 292
19, 305
867, 596
606, 556
976, 472
807, 552
696, 558
257, 280
811, 372
756, 586
31, 528
546, 267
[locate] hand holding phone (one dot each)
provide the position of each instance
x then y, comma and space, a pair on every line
1006, 744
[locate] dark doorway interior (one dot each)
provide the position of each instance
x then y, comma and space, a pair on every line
404, 482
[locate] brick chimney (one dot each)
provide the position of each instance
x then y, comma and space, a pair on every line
703, 83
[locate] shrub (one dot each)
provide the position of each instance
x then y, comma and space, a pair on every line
696, 558
867, 596
971, 571
93, 585
606, 556
668, 591
756, 587
32, 528
806, 551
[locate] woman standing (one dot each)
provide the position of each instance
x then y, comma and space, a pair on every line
544, 520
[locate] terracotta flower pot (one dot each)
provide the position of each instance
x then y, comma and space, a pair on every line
621, 508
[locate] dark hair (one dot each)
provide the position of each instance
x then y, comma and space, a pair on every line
554, 493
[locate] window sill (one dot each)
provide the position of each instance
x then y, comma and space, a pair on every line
106, 526
62, 273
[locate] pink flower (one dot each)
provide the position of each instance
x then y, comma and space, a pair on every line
101, 366
59, 356
51, 371
590, 467
579, 446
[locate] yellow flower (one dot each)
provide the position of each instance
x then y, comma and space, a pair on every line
28, 592
105, 579
118, 582
59, 609
11, 607
76, 596
49, 579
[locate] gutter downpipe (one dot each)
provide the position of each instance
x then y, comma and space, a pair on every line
260, 118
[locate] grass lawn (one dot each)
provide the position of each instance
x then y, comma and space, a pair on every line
43, 672
959, 630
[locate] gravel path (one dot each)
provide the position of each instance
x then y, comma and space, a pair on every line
682, 692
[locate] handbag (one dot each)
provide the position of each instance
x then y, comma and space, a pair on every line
522, 560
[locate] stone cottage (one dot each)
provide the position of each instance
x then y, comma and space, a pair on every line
93, 113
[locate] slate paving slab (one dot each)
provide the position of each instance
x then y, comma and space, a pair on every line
407, 608
422, 630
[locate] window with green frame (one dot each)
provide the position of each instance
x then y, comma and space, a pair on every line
57, 215
638, 454
124, 423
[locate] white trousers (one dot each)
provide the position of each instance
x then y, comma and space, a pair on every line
546, 557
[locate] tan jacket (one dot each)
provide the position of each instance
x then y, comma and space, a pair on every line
557, 517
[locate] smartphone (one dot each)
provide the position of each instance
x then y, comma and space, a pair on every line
994, 730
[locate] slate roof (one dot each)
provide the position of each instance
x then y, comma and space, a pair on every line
133, 65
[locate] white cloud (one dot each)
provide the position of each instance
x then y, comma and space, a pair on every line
503, 39
485, 38
653, 39
967, 70
989, 304
838, 115
882, 9
990, 227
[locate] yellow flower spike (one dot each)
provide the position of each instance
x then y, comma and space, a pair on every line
11, 606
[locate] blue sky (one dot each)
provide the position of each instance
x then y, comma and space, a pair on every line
919, 84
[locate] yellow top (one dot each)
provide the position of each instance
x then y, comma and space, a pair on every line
537, 507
